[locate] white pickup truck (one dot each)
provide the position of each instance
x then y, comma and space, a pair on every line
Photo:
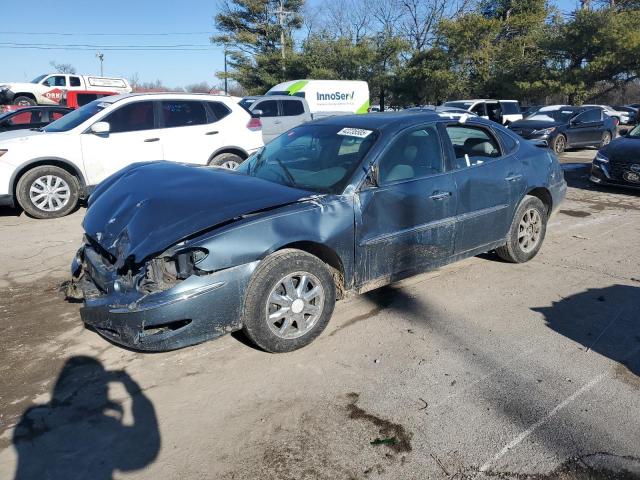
48, 89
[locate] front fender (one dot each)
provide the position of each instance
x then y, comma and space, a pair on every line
327, 221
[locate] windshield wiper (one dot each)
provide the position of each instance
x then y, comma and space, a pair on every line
286, 171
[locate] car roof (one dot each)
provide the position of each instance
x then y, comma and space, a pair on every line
481, 100
271, 97
168, 96
389, 120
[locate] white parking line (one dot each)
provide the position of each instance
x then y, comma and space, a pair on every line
513, 443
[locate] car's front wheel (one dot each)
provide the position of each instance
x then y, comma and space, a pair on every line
526, 233
47, 192
23, 101
289, 301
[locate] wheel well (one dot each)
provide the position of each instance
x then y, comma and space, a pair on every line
25, 94
236, 151
328, 256
56, 163
544, 196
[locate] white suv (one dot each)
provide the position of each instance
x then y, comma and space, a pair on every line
46, 171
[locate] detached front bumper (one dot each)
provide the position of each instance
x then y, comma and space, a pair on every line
197, 309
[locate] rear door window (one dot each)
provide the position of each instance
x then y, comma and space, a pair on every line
590, 116
510, 108
183, 113
131, 117
472, 145
74, 81
291, 108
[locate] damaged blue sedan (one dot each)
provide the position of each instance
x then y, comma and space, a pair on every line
178, 254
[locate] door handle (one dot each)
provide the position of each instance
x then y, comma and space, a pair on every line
440, 196
213, 132
152, 139
513, 178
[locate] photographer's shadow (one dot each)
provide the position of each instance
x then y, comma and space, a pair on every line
82, 433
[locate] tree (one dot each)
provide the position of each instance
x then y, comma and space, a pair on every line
63, 67
253, 31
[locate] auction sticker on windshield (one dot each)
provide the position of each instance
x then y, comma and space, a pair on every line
355, 132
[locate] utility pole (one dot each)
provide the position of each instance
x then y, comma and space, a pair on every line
282, 14
100, 56
226, 89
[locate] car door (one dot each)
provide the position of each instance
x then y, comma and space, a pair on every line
185, 132
406, 222
132, 138
271, 123
293, 113
586, 128
489, 181
480, 109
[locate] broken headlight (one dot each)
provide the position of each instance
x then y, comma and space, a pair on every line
168, 269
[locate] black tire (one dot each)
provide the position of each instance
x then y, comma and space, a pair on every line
559, 144
606, 139
23, 100
514, 250
68, 185
267, 278
226, 160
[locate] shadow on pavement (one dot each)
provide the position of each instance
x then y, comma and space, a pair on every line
603, 320
81, 432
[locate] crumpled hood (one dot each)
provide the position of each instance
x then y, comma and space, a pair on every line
148, 207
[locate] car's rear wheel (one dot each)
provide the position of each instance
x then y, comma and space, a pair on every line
606, 139
226, 160
559, 144
526, 233
47, 192
24, 101
289, 301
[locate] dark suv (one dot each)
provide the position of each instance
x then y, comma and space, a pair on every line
563, 126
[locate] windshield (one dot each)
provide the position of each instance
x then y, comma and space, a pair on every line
635, 133
38, 78
560, 116
463, 105
246, 103
75, 118
318, 158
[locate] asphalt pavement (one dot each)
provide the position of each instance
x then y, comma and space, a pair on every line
481, 369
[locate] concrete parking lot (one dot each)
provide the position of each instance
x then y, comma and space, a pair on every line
482, 369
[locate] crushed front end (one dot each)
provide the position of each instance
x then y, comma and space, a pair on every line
165, 303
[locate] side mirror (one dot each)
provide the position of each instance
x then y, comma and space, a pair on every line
257, 113
623, 132
373, 177
100, 128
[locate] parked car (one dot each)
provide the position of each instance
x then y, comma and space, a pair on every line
621, 116
500, 111
563, 126
618, 163
30, 117
632, 112
278, 113
634, 105
47, 171
48, 89
347, 203
79, 98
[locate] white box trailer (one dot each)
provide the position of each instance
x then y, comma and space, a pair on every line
328, 96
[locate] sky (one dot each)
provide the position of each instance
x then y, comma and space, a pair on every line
189, 22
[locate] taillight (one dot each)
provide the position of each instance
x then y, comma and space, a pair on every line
254, 124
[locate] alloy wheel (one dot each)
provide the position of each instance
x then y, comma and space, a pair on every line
230, 164
560, 144
49, 193
294, 305
529, 230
